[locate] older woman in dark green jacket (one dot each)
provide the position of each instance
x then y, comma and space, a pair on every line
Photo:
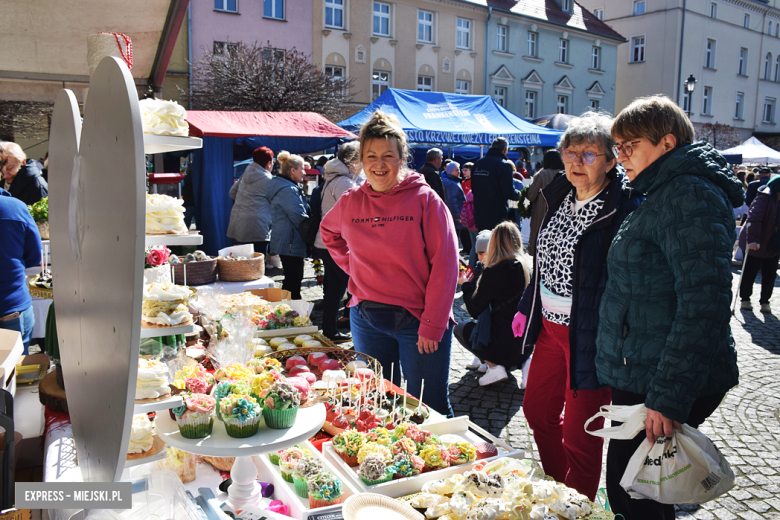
664, 337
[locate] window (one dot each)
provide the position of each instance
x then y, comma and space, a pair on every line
769, 110
639, 7
381, 19
713, 10
594, 105
777, 30
225, 48
563, 104
231, 6
743, 58
462, 87
464, 33
566, 5
637, 49
530, 104
706, 101
739, 105
769, 32
501, 38
273, 9
532, 37
686, 101
425, 26
334, 14
746, 21
777, 69
335, 73
446, 66
499, 94
768, 66
425, 83
380, 81
709, 55
563, 51
599, 13
271, 54
595, 58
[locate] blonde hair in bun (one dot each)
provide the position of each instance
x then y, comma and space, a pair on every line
287, 162
385, 126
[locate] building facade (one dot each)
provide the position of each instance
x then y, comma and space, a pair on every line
432, 45
553, 58
731, 48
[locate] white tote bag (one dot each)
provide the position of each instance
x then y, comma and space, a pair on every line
632, 417
684, 469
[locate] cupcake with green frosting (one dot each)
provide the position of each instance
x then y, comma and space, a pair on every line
241, 415
347, 444
196, 417
306, 468
324, 490
281, 402
226, 388
373, 470
406, 465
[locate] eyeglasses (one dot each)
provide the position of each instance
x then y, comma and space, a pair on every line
586, 157
627, 148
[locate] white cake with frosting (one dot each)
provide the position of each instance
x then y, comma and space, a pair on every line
161, 117
165, 305
164, 215
158, 274
141, 434
152, 380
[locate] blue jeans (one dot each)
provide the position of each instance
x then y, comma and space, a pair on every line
24, 325
389, 345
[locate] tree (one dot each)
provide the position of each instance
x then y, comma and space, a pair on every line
253, 78
24, 119
720, 136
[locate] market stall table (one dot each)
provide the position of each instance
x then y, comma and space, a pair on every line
239, 287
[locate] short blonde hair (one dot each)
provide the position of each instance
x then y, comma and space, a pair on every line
506, 243
653, 117
287, 162
10, 149
385, 126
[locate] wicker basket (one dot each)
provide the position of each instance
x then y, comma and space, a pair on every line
241, 270
198, 273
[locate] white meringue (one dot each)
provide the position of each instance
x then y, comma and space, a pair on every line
426, 500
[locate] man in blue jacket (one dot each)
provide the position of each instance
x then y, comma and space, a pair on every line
21, 249
491, 182
752, 190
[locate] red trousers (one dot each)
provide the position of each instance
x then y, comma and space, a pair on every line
567, 453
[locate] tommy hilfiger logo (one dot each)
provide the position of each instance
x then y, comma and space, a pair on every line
373, 220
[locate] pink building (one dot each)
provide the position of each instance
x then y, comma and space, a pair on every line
217, 23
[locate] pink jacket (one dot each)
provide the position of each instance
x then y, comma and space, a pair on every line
398, 248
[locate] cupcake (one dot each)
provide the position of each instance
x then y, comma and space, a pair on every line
274, 457
241, 415
461, 453
281, 401
405, 465
226, 388
263, 381
372, 448
435, 457
373, 470
324, 490
197, 419
405, 445
288, 459
234, 371
347, 444
306, 468
380, 436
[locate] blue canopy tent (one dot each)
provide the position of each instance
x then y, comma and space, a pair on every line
442, 118
212, 165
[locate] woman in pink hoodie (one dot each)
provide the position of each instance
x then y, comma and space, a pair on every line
396, 240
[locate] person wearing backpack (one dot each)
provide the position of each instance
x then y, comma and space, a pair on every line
339, 175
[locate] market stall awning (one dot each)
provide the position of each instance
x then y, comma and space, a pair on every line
442, 118
754, 151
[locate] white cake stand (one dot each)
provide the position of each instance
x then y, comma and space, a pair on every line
244, 491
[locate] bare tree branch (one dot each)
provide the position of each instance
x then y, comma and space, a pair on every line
263, 79
24, 119
719, 135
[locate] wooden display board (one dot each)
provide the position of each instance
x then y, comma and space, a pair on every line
99, 290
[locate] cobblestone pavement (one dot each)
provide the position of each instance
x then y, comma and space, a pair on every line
746, 427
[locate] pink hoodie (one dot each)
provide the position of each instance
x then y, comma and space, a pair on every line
399, 248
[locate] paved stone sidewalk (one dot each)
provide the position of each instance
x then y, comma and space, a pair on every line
746, 427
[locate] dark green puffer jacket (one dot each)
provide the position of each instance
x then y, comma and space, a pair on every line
664, 318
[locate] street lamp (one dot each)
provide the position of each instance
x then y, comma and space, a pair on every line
690, 85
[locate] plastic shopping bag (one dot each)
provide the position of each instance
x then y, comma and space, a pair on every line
632, 417
684, 469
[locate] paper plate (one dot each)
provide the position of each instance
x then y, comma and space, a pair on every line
370, 506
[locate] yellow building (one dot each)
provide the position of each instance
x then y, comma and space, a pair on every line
431, 45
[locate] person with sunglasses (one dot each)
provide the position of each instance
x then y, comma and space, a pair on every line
584, 211
664, 338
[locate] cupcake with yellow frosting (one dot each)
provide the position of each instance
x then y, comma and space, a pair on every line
241, 415
372, 448
435, 457
234, 371
461, 453
347, 444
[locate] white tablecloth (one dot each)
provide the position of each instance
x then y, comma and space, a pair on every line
40, 311
237, 287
